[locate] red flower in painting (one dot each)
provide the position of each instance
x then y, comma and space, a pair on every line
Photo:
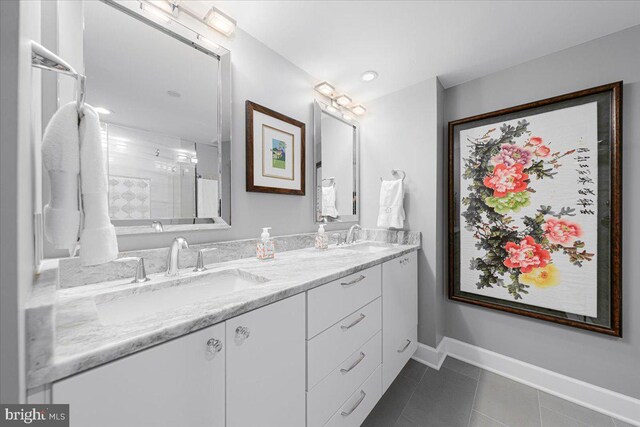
526, 256
505, 179
535, 140
561, 231
543, 151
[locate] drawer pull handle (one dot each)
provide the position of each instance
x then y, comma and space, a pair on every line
214, 345
354, 323
354, 281
362, 396
356, 363
405, 346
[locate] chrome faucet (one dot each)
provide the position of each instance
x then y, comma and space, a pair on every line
157, 226
350, 235
173, 259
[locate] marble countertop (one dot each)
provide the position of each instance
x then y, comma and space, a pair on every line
80, 341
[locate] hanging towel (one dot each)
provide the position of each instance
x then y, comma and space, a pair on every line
329, 201
61, 158
391, 213
98, 242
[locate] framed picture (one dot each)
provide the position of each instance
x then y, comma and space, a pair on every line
535, 209
275, 152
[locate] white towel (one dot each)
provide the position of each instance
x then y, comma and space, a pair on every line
329, 201
391, 213
61, 158
207, 198
98, 243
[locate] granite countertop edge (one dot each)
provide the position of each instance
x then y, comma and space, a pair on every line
93, 356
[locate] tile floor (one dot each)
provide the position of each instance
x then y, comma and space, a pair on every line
462, 395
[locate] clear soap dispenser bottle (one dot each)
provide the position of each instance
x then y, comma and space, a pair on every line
265, 248
322, 240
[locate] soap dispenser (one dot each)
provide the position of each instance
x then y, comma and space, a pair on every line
322, 240
265, 248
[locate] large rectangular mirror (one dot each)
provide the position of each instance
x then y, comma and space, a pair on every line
336, 160
165, 113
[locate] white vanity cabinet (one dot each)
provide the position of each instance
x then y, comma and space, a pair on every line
266, 366
178, 383
399, 315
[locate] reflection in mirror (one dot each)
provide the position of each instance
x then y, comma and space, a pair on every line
161, 105
336, 156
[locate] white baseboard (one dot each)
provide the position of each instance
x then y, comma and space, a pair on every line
617, 405
432, 357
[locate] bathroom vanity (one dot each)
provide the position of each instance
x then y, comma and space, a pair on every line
314, 338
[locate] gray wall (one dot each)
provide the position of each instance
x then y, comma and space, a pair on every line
402, 131
608, 362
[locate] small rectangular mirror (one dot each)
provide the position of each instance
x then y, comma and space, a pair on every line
336, 158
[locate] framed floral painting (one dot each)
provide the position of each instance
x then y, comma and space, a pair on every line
275, 152
535, 209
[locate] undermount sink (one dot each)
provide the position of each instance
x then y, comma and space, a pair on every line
171, 294
368, 247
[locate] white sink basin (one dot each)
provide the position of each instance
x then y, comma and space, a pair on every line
368, 247
171, 294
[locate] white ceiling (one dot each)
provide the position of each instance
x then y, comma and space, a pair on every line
410, 41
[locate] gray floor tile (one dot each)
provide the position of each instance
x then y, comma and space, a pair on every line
479, 420
572, 410
507, 401
462, 367
405, 422
414, 370
552, 418
388, 409
619, 423
443, 399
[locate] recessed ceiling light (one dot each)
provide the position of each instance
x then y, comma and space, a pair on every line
343, 100
325, 88
102, 110
359, 109
369, 76
174, 94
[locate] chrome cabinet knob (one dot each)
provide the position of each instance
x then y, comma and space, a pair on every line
242, 332
214, 346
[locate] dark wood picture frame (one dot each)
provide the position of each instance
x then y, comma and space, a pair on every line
250, 107
613, 324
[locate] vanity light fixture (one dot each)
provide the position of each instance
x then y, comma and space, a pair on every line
369, 76
158, 12
220, 21
207, 41
343, 100
194, 160
348, 117
325, 88
359, 110
332, 109
102, 111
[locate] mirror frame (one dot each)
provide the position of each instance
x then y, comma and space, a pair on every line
319, 108
188, 36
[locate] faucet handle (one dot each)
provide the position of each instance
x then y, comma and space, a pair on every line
338, 237
200, 262
141, 273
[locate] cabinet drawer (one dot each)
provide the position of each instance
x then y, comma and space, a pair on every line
333, 301
359, 405
329, 349
328, 395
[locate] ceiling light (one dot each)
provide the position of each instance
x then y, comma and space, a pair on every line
156, 11
102, 110
343, 100
347, 116
325, 88
369, 76
220, 21
359, 109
